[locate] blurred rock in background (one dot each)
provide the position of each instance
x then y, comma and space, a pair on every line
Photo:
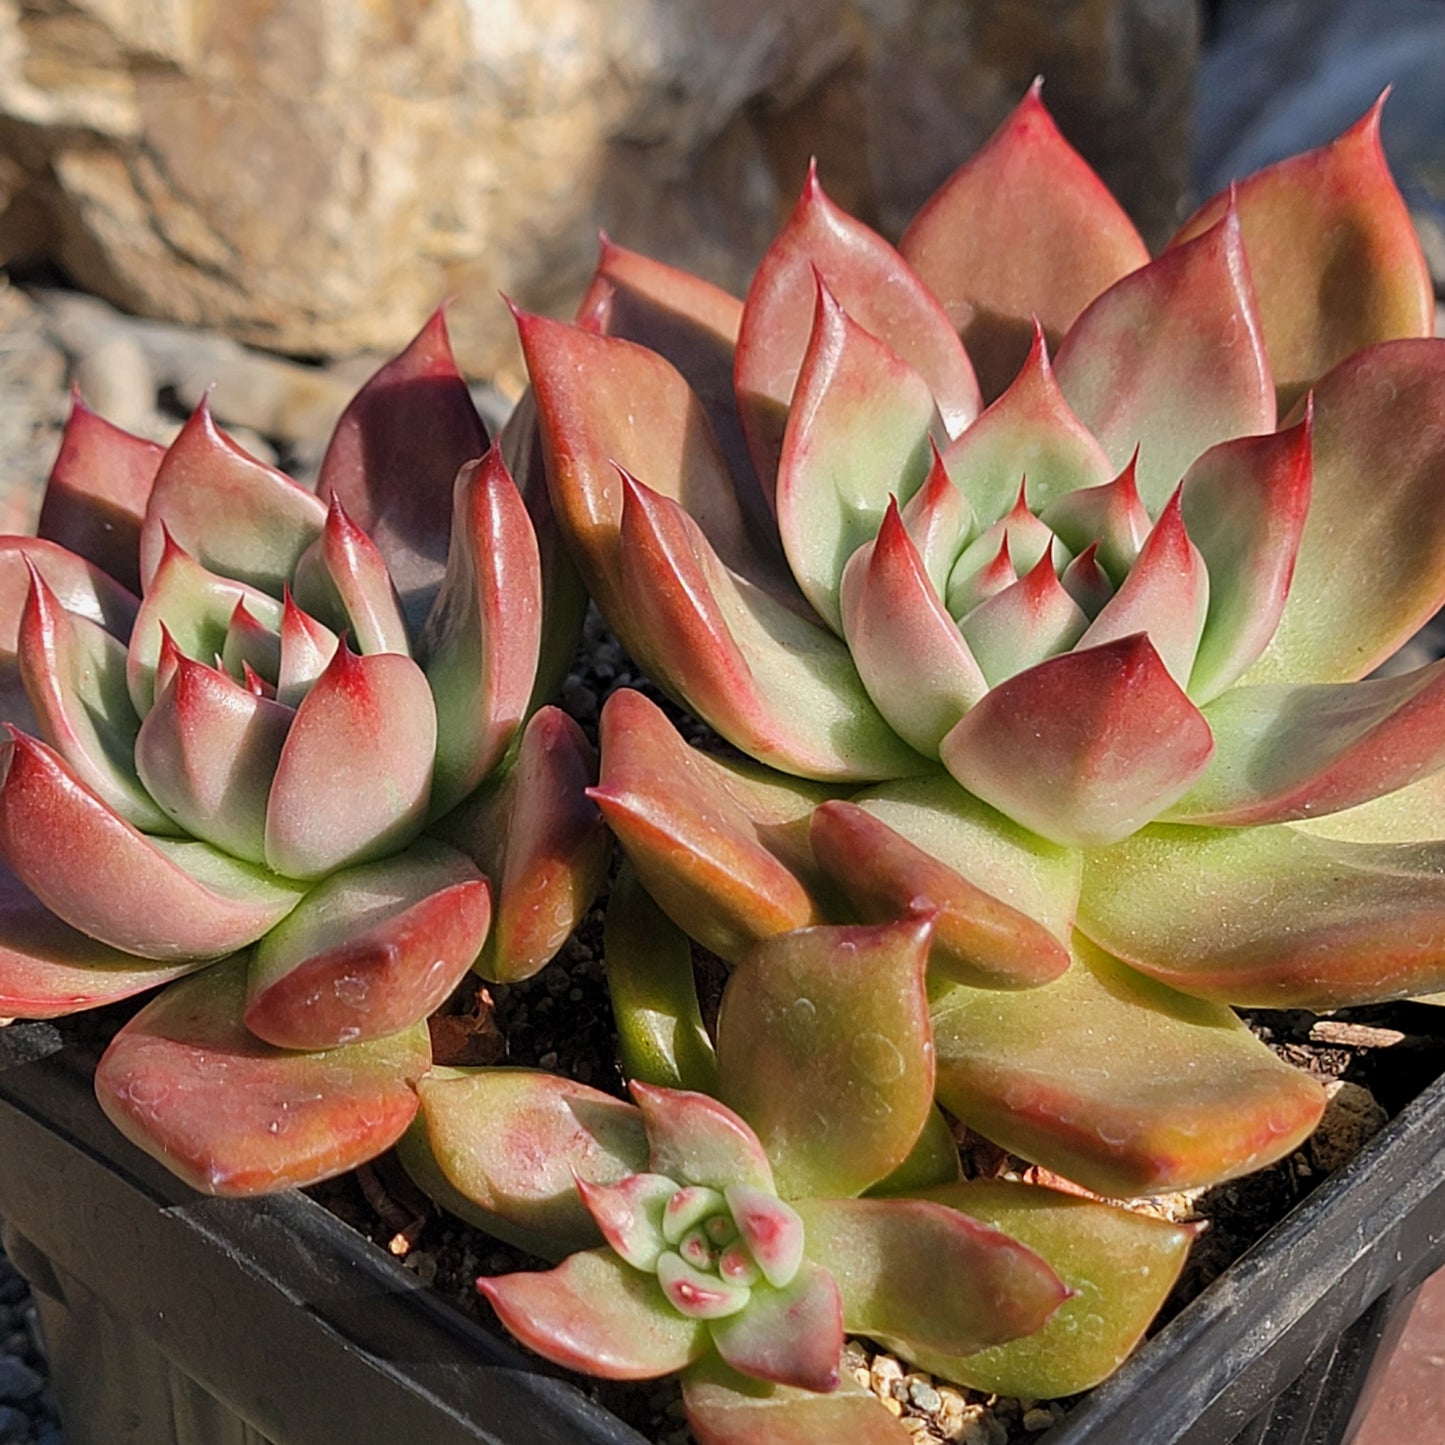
315, 177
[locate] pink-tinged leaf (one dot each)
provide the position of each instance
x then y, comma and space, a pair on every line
48, 970
726, 1408
790, 1334
933, 1160
595, 1314
342, 576
938, 520
1084, 748
1029, 436
1333, 252
187, 1082
74, 673
995, 275
1170, 360
875, 287
919, 671
780, 687
977, 938
96, 496
307, 648
1024, 623
858, 434
1245, 504
1155, 1092
370, 951
154, 897
1000, 555
80, 587
1085, 580
249, 646
629, 1214
234, 515
1272, 916
824, 1046
688, 1209
919, 1276
481, 641
395, 454
1283, 753
1015, 865
604, 404
1119, 1265
660, 1034
1371, 564
697, 1140
771, 1230
195, 607
1110, 517
1165, 597
541, 840
1410, 815
697, 1294
513, 1143
355, 771
721, 846
207, 752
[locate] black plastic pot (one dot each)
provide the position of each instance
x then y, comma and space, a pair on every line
179, 1320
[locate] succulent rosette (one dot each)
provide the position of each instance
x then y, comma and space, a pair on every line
1041, 580
283, 768
732, 1236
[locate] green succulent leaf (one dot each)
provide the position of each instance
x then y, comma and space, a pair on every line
1116, 1082
790, 1334
823, 1045
186, 1081
630, 1215
698, 1140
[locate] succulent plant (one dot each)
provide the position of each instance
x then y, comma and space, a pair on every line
734, 1235
1040, 581
279, 768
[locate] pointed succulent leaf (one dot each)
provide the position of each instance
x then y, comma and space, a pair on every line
207, 752
722, 847
1333, 253
1110, 516
919, 1276
1165, 596
1272, 916
1245, 503
1000, 555
48, 970
1085, 580
515, 1141
370, 951
1023, 624
307, 648
395, 454
699, 1294
977, 938
727, 1408
988, 849
1283, 753
186, 1081
154, 897
480, 644
1028, 434
790, 1334
1118, 1264
920, 672
95, 498
660, 1034
875, 287
195, 607
629, 1214
1371, 565
993, 275
858, 432
74, 673
1083, 748
250, 646
780, 687
595, 1314
342, 576
824, 1047
355, 770
234, 515
770, 1229
1157, 1092
688, 1209
698, 1140
938, 520
1170, 360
